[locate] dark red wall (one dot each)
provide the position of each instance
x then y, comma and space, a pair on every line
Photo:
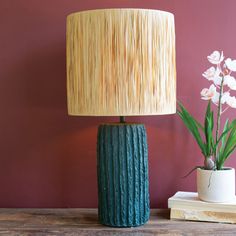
48, 159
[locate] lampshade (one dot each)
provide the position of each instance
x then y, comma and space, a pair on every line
121, 62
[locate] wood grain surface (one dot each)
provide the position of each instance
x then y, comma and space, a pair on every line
84, 222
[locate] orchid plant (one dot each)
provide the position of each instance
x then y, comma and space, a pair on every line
216, 145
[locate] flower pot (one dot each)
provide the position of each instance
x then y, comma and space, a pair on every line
216, 186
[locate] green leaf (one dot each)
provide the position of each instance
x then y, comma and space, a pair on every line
199, 125
228, 144
208, 128
222, 139
192, 126
221, 161
223, 136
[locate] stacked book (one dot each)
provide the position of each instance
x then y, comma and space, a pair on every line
187, 206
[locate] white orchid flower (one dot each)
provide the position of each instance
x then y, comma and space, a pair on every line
211, 73
218, 80
225, 97
230, 81
215, 99
216, 57
231, 64
231, 101
210, 94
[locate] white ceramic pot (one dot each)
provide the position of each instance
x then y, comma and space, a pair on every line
216, 186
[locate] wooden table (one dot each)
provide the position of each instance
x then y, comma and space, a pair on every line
84, 222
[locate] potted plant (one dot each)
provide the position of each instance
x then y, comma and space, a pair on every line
215, 183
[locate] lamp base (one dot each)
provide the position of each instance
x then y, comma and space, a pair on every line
122, 167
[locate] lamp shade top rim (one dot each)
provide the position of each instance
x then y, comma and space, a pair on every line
119, 9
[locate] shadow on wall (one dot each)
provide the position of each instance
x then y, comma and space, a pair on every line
169, 144
46, 155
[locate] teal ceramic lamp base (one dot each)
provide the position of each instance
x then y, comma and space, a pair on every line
123, 187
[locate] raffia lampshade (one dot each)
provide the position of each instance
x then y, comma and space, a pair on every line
121, 62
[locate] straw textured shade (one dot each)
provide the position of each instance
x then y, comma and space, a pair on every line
121, 62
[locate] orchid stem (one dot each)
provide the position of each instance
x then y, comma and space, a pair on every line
218, 117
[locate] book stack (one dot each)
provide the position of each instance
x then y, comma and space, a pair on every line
187, 206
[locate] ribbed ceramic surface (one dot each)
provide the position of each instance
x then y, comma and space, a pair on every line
121, 62
123, 190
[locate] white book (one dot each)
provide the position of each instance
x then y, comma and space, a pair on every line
187, 206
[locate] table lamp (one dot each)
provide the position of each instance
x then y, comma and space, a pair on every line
121, 62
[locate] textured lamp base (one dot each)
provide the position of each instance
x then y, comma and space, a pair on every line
123, 187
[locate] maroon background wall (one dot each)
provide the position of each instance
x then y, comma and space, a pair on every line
48, 159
